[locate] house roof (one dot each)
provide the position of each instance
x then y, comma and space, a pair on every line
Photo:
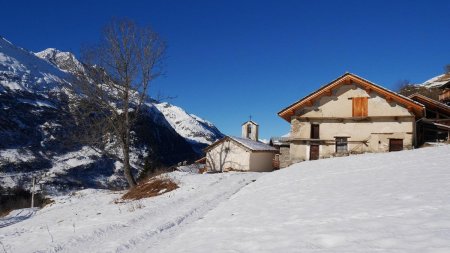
244, 142
253, 145
349, 78
431, 103
251, 121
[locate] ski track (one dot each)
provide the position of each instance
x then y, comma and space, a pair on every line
135, 237
19, 216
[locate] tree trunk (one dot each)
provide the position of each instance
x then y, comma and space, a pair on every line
126, 143
126, 166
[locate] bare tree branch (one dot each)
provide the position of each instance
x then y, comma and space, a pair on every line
120, 70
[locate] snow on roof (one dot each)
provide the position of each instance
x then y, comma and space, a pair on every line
253, 145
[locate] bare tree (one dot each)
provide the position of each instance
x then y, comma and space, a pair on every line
402, 84
447, 69
119, 70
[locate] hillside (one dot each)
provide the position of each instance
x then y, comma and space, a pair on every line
429, 88
390, 202
37, 126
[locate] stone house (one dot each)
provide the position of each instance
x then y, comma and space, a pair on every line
349, 115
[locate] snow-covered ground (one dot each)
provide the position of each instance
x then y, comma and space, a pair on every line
392, 202
90, 221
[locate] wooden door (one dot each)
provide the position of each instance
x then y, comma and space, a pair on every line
395, 145
313, 152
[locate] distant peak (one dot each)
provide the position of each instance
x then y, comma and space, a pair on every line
64, 60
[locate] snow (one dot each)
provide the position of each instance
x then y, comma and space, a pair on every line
189, 126
20, 155
253, 145
37, 102
394, 202
72, 159
437, 81
22, 70
16, 216
391, 202
89, 218
66, 61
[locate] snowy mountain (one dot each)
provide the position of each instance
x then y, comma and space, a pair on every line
65, 61
36, 125
190, 126
437, 81
20, 70
193, 128
385, 202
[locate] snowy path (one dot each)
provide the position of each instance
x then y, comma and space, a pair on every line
90, 219
17, 216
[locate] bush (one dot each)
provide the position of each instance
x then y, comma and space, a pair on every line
17, 198
150, 188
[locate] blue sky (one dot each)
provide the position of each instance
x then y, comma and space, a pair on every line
231, 59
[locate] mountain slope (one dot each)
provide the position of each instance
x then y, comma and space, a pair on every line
189, 126
22, 71
65, 61
437, 81
196, 130
36, 123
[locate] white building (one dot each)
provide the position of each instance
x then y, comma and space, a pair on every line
240, 154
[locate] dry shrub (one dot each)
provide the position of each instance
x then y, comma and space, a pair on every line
150, 188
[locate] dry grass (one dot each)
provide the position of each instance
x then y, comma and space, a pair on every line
4, 213
150, 188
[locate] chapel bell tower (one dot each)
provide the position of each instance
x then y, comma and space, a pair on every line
250, 130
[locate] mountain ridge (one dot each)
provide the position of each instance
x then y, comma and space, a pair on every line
36, 90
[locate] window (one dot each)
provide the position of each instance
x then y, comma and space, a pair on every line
359, 107
249, 130
395, 145
314, 131
341, 145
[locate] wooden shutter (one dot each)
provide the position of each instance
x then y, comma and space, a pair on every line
360, 107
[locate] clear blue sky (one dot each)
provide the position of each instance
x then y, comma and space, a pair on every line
231, 59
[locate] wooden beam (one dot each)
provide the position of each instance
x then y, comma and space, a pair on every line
388, 99
328, 92
368, 90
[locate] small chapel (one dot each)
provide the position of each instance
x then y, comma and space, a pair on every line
245, 153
